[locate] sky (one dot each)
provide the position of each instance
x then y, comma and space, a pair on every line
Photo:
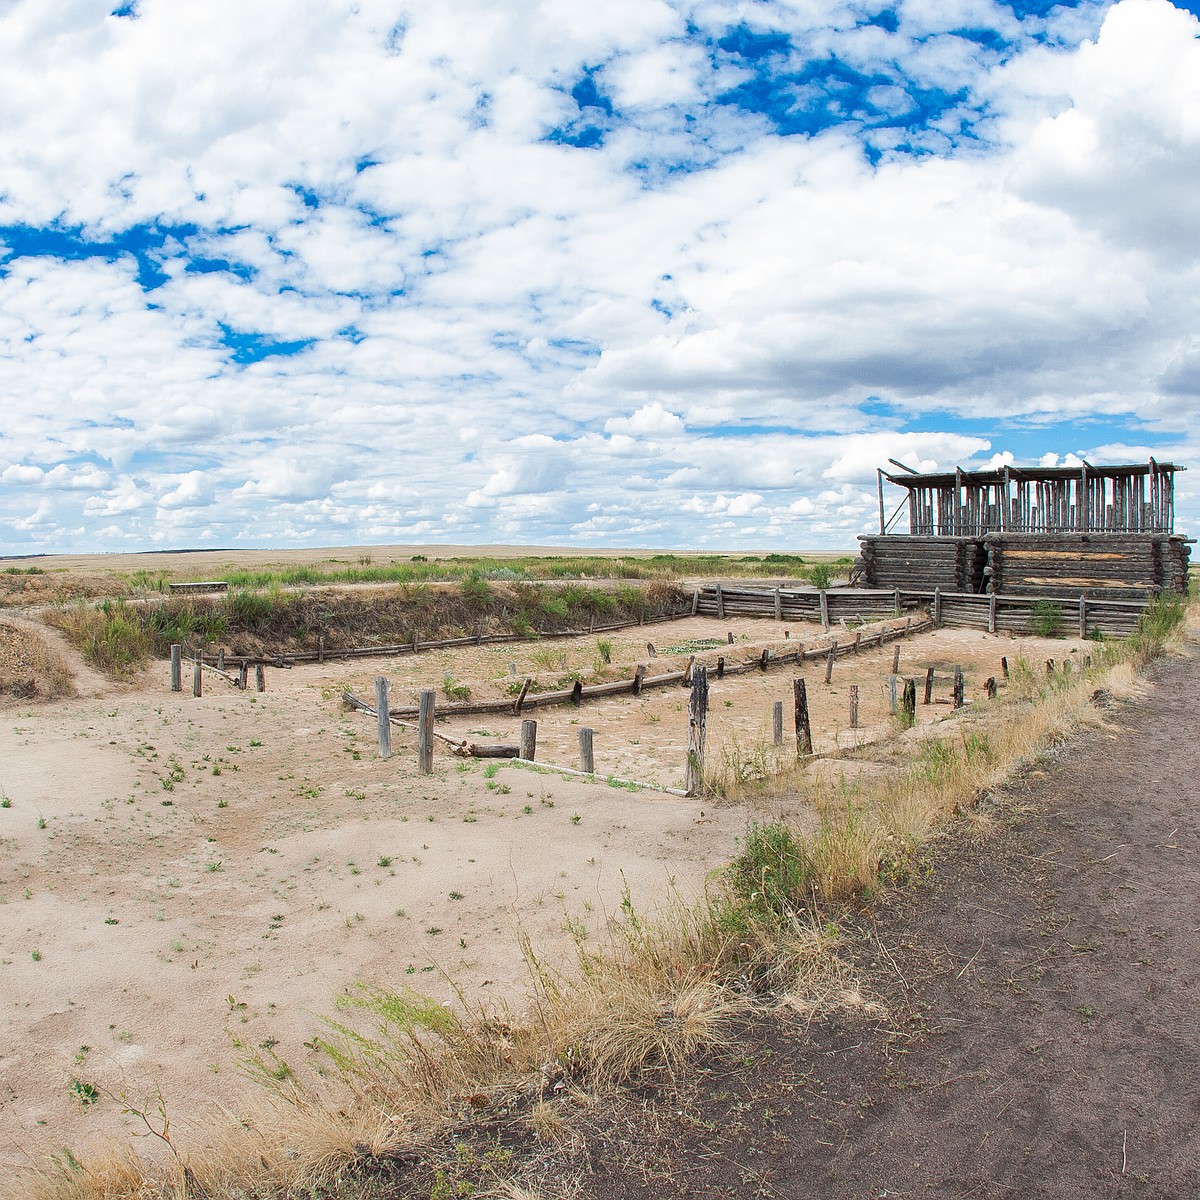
663, 273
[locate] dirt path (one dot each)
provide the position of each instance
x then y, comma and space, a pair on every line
1043, 1034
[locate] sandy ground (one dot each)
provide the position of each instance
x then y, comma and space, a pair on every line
188, 882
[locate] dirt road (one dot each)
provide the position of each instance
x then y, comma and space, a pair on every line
1043, 1035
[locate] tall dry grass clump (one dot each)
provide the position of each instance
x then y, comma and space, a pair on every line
111, 635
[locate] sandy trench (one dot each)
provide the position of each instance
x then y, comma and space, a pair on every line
185, 882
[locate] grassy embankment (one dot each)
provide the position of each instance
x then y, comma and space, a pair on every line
462, 1097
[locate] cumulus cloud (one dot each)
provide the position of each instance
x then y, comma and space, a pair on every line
642, 270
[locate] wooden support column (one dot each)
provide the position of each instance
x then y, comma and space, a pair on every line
197, 673
929, 685
992, 613
1082, 615
425, 731
803, 728
260, 677
958, 687
587, 762
829, 661
777, 723
529, 740
177, 668
720, 604
824, 601
908, 703
381, 717
697, 730
854, 706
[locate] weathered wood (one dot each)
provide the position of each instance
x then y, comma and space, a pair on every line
425, 731
958, 687
519, 703
1082, 615
896, 659
892, 684
577, 693
803, 727
824, 609
721, 667
639, 677
695, 600
720, 604
777, 723
383, 722
260, 678
937, 606
829, 657
243, 676
764, 659
587, 762
1004, 668
697, 730
908, 703
928, 684
992, 613
854, 706
989, 687
528, 740
197, 673
650, 650
176, 667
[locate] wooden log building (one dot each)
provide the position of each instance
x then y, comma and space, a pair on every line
1086, 530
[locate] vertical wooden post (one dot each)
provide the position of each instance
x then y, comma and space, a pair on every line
764, 658
321, 649
929, 685
824, 610
697, 729
908, 703
197, 674
529, 739
896, 600
221, 658
721, 667
1082, 615
425, 731
520, 700
829, 661
383, 720
260, 677
778, 606
720, 604
879, 476
695, 600
1004, 668
777, 723
638, 676
896, 659
892, 695
729, 637
992, 613
958, 687
937, 605
587, 762
857, 640
854, 706
243, 674
1049, 667
803, 728
989, 687
689, 670
176, 668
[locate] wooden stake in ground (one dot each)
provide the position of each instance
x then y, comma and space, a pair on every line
697, 729
908, 703
989, 687
829, 661
260, 678
177, 668
896, 659
197, 686
929, 686
891, 695
958, 687
528, 740
803, 728
425, 732
777, 723
381, 714
854, 706
587, 762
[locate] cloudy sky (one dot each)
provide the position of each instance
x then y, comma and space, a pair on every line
664, 273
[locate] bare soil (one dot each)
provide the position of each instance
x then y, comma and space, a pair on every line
1041, 1037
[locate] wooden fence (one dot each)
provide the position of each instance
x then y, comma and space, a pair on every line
1079, 614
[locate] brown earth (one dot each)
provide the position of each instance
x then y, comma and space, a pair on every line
1041, 1037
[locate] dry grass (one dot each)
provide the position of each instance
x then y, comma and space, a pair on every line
661, 989
30, 669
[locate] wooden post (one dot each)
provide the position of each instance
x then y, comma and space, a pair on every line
697, 730
695, 600
720, 604
260, 677
721, 667
1049, 667
243, 674
829, 661
425, 731
803, 729
650, 650
1004, 668
321, 649
764, 658
587, 762
824, 610
197, 673
879, 477
382, 718
896, 599
937, 605
896, 659
992, 613
854, 706
729, 637
176, 668
777, 723
638, 676
929, 685
221, 658
577, 693
687, 671
857, 640
989, 687
1082, 615
958, 687
778, 606
908, 703
892, 695
529, 739
521, 696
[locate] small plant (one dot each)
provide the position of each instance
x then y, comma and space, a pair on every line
818, 575
85, 1093
36, 955
6, 803
1046, 619
385, 860
575, 818
453, 689
604, 649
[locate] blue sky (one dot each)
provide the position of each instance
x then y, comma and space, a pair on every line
654, 272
